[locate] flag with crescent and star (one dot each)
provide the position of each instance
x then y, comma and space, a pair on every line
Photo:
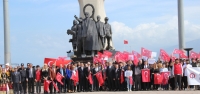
145, 75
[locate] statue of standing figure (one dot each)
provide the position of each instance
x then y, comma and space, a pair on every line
108, 36
73, 32
101, 32
90, 35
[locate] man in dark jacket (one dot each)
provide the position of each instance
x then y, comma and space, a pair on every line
22, 71
16, 80
117, 74
61, 70
194, 64
110, 76
30, 75
81, 77
137, 75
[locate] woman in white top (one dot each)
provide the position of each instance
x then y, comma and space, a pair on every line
128, 74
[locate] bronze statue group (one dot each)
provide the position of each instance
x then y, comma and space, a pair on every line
94, 77
90, 36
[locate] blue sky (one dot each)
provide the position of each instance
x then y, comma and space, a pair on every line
38, 27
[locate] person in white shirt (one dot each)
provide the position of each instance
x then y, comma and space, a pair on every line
128, 74
187, 65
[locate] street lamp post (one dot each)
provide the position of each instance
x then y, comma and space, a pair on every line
7, 57
188, 51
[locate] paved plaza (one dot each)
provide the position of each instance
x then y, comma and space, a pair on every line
144, 92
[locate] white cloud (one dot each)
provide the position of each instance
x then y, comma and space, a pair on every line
152, 35
48, 45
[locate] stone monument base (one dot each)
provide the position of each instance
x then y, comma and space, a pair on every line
90, 59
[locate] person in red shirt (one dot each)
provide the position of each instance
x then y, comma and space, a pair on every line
177, 71
38, 79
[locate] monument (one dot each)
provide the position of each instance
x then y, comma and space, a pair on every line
93, 33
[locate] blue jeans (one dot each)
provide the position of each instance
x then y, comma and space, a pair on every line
129, 86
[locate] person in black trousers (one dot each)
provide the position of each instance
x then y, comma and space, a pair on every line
30, 72
95, 82
110, 76
22, 71
117, 74
87, 71
62, 71
81, 77
45, 75
137, 75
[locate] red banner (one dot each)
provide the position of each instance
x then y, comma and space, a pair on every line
122, 77
90, 79
59, 78
55, 86
100, 78
165, 76
145, 75
158, 78
46, 85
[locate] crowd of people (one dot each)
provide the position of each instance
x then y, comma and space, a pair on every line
122, 76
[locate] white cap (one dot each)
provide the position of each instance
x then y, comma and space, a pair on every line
7, 64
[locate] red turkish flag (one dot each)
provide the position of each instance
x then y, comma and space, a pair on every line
199, 55
107, 53
59, 78
96, 60
135, 61
165, 76
100, 78
74, 77
158, 78
55, 86
145, 52
145, 75
90, 79
164, 55
100, 55
176, 51
122, 77
173, 58
125, 42
60, 60
126, 55
194, 55
46, 85
63, 62
50, 61
119, 57
130, 80
136, 53
182, 54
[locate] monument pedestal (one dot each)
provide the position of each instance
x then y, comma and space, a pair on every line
89, 59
